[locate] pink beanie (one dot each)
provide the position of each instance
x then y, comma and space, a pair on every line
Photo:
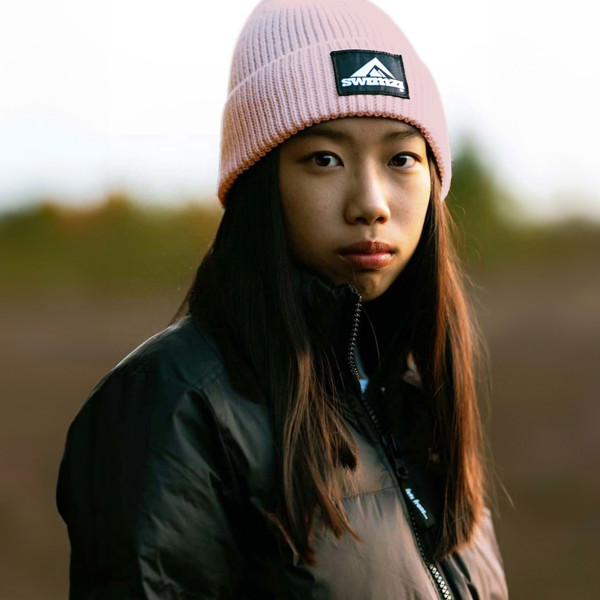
300, 62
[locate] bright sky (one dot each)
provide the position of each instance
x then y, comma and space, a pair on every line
99, 94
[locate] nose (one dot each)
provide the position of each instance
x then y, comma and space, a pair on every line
367, 201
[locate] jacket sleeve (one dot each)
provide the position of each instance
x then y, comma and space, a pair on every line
146, 491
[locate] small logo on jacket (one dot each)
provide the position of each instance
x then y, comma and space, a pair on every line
369, 72
417, 503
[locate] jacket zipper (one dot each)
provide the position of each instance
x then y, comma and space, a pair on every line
400, 469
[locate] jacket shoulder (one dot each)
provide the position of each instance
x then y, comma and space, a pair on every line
145, 484
184, 351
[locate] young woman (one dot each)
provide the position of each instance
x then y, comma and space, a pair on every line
307, 425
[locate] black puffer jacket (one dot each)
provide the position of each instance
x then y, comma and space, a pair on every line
166, 482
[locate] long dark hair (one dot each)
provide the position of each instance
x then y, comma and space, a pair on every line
244, 291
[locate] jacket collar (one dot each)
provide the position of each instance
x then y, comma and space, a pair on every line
339, 320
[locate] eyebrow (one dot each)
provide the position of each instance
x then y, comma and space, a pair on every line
340, 135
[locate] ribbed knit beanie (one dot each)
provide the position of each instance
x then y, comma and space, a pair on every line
300, 62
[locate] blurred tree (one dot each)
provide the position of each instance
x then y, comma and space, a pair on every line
479, 207
492, 229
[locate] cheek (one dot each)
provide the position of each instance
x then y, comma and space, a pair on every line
307, 235
420, 189
415, 209
306, 217
299, 221
415, 223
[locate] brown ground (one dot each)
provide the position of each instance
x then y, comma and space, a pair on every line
543, 330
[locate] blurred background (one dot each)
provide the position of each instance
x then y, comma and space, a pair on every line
109, 146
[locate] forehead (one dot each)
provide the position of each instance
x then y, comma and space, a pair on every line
358, 128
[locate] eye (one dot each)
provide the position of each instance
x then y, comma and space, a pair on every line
323, 159
405, 158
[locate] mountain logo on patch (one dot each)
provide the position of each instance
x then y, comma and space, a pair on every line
369, 72
374, 68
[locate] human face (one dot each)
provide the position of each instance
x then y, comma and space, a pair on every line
351, 180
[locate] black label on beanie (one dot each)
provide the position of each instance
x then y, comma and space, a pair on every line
369, 72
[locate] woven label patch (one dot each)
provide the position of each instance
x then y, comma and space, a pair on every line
369, 72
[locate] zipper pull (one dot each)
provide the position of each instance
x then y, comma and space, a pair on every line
423, 516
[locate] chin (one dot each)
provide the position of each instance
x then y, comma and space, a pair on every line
369, 285
369, 289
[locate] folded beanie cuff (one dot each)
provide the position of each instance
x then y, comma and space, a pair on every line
298, 89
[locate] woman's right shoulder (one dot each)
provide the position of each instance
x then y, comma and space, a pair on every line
182, 360
170, 399
147, 463
184, 351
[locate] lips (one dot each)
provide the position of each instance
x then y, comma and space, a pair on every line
368, 254
367, 247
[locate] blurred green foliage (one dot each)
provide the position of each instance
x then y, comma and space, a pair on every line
117, 245
492, 229
123, 245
